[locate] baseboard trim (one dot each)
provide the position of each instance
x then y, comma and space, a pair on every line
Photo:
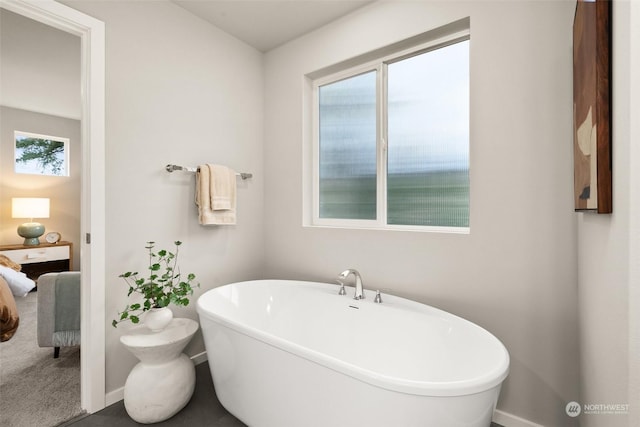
114, 396
117, 395
508, 420
199, 358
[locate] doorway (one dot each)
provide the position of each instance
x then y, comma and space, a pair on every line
92, 222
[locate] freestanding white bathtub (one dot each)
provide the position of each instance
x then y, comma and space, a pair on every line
297, 354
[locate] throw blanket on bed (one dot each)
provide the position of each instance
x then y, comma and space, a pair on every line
67, 327
9, 319
6, 261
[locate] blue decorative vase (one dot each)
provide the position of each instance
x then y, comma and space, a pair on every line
31, 231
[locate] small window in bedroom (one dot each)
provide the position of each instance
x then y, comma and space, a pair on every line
391, 141
41, 154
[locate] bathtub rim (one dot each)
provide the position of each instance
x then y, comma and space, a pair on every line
479, 384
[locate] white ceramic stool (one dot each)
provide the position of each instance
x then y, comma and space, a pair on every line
163, 382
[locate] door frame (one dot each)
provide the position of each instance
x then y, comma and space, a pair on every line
92, 217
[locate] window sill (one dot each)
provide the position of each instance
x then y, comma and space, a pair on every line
389, 227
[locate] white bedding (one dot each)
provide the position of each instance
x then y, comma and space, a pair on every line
19, 283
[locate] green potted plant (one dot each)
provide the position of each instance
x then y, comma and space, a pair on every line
163, 285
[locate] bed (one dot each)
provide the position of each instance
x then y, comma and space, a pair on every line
9, 319
12, 283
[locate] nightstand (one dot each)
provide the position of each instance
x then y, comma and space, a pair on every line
40, 259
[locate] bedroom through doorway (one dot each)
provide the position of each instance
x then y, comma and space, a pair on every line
40, 85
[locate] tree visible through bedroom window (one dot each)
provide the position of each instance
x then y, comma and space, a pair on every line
41, 154
393, 142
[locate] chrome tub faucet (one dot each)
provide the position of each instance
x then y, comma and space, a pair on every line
359, 294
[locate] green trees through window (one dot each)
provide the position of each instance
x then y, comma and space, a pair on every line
41, 155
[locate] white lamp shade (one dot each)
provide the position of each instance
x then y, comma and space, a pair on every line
29, 207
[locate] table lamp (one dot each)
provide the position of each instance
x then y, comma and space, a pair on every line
30, 207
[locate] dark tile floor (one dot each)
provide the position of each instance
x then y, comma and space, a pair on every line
203, 410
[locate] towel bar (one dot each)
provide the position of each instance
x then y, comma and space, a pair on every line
172, 168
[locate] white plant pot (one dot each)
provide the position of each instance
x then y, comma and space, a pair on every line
157, 319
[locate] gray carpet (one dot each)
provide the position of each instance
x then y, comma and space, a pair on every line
36, 390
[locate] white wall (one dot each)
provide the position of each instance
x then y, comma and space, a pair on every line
177, 91
40, 67
634, 172
604, 256
516, 273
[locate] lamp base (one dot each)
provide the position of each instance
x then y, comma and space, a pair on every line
31, 231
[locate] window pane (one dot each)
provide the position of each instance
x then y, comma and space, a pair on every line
428, 138
41, 154
348, 148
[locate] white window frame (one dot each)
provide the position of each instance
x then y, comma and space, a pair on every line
66, 153
380, 66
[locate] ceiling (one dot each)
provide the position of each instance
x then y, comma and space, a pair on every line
267, 24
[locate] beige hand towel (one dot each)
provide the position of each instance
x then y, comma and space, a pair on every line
222, 188
216, 195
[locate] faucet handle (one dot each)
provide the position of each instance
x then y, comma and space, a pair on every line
342, 290
378, 298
